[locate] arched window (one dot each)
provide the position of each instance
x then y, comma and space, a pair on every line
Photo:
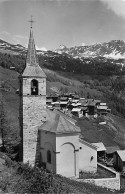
34, 87
49, 156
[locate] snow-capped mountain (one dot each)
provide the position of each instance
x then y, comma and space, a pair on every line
11, 48
98, 59
114, 49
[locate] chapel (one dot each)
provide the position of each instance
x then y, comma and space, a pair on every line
49, 137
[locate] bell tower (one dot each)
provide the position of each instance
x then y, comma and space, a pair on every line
32, 103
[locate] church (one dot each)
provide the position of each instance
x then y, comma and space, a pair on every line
49, 137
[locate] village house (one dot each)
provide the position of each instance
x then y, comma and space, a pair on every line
77, 112
111, 150
63, 102
119, 160
49, 100
102, 109
101, 151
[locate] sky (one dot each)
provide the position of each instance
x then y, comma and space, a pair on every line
62, 22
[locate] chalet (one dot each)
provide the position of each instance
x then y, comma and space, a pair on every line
111, 150
101, 150
63, 102
75, 98
102, 109
119, 160
84, 110
84, 103
56, 105
72, 105
77, 112
54, 97
49, 100
91, 106
76, 105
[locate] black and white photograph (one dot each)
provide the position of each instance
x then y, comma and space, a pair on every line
62, 96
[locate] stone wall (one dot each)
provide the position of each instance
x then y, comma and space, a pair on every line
110, 183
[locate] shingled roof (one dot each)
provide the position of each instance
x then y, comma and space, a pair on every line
58, 124
32, 67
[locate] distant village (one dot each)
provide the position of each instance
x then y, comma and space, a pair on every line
73, 104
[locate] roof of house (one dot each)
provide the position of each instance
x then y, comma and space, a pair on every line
58, 124
102, 107
76, 96
76, 104
76, 110
103, 103
63, 102
83, 102
112, 149
100, 146
32, 67
121, 154
48, 99
89, 102
83, 108
63, 99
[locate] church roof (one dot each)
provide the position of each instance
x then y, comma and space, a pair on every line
58, 124
32, 67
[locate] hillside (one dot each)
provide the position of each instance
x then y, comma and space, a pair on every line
96, 77
110, 134
20, 178
94, 60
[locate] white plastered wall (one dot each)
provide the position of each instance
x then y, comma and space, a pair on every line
67, 154
87, 158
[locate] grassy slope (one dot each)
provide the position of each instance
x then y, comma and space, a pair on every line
9, 96
12, 181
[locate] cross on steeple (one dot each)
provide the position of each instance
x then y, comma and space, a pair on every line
31, 21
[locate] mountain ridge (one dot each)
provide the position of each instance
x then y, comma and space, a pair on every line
114, 49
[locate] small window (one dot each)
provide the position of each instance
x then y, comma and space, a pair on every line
49, 156
34, 87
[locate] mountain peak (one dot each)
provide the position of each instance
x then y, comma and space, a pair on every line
62, 47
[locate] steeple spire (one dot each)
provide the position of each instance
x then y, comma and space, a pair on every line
31, 54
32, 66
